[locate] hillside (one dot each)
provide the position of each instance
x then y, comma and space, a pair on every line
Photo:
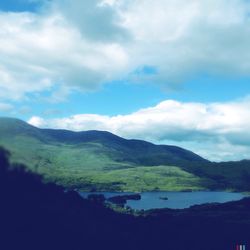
42, 216
99, 160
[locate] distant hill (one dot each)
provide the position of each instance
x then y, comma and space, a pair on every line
99, 160
136, 151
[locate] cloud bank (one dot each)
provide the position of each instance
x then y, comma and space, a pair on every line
217, 131
80, 45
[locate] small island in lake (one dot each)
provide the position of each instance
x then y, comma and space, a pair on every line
122, 199
163, 198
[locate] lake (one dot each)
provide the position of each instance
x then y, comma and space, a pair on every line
176, 200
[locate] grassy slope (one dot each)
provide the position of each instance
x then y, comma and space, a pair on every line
90, 166
102, 161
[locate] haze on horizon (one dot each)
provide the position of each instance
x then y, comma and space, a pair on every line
167, 71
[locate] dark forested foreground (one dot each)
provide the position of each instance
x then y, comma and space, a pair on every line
38, 216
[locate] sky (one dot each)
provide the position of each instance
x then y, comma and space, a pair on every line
167, 71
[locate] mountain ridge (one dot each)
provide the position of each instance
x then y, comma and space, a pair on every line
68, 136
100, 160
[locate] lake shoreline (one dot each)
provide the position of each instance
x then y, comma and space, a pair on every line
172, 200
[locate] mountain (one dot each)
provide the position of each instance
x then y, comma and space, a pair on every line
99, 160
135, 151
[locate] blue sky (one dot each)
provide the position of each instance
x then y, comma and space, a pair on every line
124, 98
92, 64
20, 5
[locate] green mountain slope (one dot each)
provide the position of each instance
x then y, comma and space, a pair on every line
99, 160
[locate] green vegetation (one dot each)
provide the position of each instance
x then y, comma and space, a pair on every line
95, 160
89, 167
146, 179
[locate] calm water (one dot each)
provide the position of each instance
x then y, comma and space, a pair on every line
151, 200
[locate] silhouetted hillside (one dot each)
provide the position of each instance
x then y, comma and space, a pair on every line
38, 216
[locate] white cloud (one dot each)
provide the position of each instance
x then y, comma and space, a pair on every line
78, 45
38, 53
37, 121
95, 19
218, 131
182, 38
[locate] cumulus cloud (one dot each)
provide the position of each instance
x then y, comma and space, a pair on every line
94, 19
38, 53
181, 38
215, 130
79, 45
